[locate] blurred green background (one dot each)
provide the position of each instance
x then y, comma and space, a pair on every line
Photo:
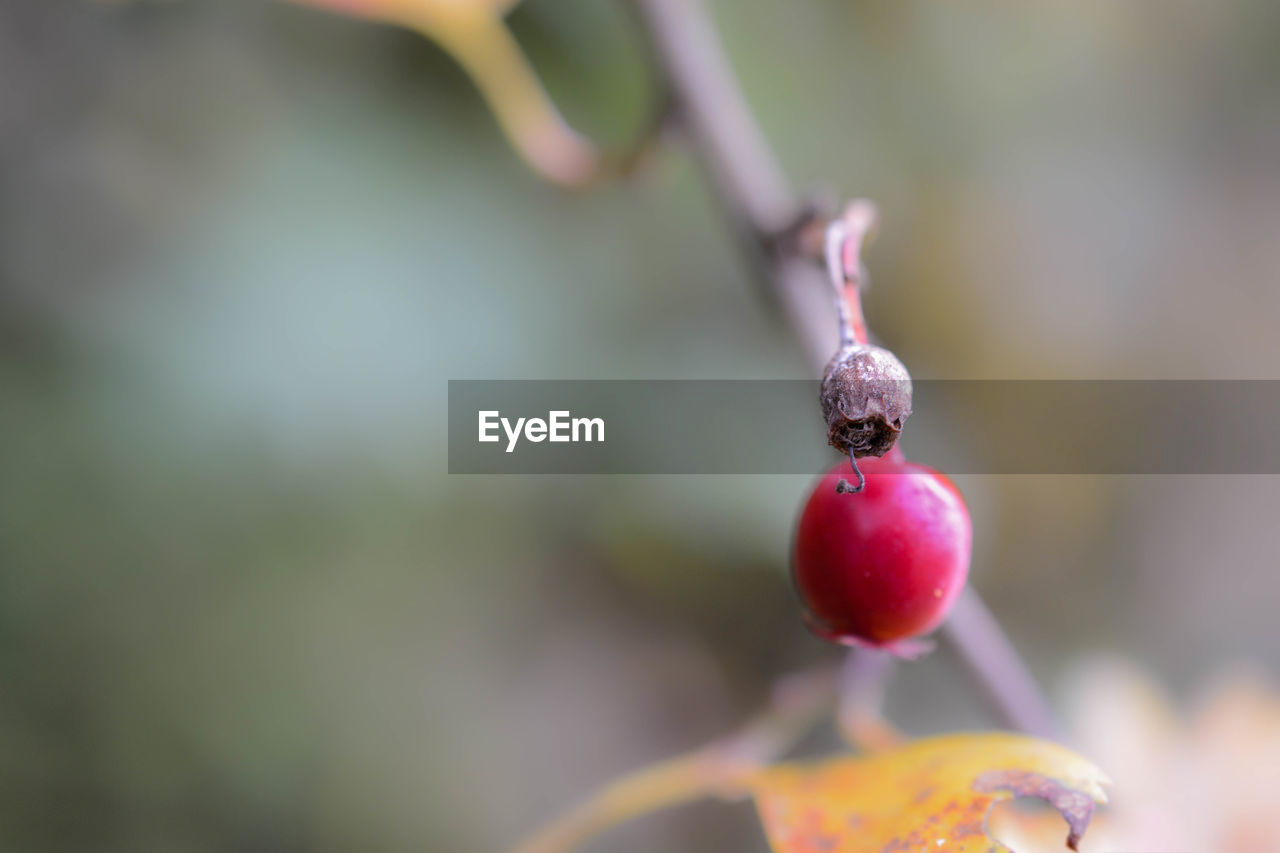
243, 245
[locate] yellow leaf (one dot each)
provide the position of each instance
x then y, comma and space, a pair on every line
934, 795
392, 10
474, 33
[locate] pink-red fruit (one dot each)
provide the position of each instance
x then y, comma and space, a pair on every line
884, 565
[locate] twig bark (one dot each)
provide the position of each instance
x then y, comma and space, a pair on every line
973, 632
718, 769
755, 193
859, 716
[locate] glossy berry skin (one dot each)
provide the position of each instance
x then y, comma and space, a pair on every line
885, 564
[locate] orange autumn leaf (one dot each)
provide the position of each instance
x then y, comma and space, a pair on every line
933, 795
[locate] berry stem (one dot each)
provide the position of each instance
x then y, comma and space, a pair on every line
843, 243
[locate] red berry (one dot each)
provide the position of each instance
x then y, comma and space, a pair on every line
885, 564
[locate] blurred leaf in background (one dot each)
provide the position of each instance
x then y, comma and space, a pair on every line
1202, 777
473, 33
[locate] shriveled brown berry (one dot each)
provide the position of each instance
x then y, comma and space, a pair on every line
866, 398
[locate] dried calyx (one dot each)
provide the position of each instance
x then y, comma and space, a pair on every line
866, 390
866, 398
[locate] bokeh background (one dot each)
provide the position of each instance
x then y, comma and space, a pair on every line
244, 244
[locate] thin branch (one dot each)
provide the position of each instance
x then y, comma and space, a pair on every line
748, 180
718, 769
752, 187
716, 113
976, 636
860, 717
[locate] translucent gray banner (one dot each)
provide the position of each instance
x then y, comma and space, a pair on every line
775, 427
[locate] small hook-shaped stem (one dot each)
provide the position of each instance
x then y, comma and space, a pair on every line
844, 487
